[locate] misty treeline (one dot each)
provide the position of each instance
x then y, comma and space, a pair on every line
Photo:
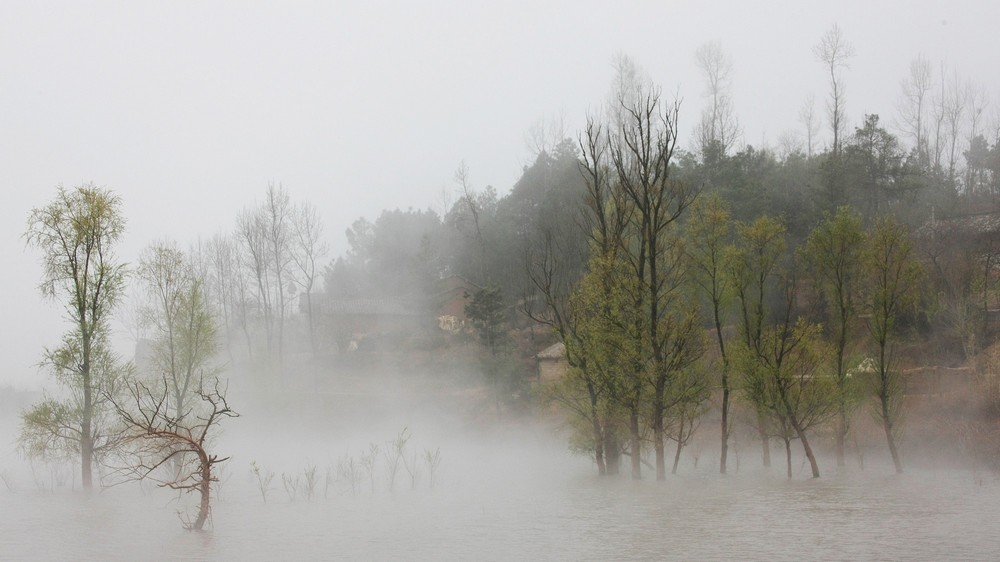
783, 289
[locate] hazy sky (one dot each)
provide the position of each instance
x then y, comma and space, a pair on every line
188, 109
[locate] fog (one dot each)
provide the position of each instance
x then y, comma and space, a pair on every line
441, 147
510, 493
189, 111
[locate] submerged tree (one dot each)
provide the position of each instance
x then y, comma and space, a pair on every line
781, 356
893, 277
834, 253
77, 233
708, 235
752, 263
156, 436
607, 348
641, 153
783, 377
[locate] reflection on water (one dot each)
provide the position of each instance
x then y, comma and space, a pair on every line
530, 503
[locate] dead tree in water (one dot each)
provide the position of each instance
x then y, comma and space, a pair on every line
157, 436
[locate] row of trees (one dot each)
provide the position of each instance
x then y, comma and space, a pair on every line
642, 367
252, 276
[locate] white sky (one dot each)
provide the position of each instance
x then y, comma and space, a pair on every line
188, 109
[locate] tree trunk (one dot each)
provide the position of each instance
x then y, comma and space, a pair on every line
612, 452
602, 468
801, 434
788, 457
634, 445
765, 445
496, 389
658, 434
841, 429
724, 455
725, 424
887, 425
680, 444
809, 453
841, 436
86, 432
205, 488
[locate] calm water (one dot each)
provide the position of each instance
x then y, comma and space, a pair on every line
518, 495
530, 504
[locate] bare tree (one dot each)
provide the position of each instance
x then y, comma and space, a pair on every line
834, 52
155, 437
789, 143
810, 121
938, 107
308, 250
978, 99
277, 213
472, 203
265, 237
953, 113
719, 125
224, 277
543, 136
911, 108
254, 257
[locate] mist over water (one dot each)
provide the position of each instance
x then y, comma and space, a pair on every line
510, 492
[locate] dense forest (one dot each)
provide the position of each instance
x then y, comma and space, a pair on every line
696, 283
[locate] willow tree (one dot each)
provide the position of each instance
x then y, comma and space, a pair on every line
76, 234
781, 356
606, 346
893, 282
752, 263
708, 235
833, 252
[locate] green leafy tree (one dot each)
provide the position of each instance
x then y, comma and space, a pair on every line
893, 282
608, 348
76, 234
185, 336
709, 232
783, 377
834, 253
752, 262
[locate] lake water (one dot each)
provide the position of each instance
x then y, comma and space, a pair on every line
534, 503
516, 494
